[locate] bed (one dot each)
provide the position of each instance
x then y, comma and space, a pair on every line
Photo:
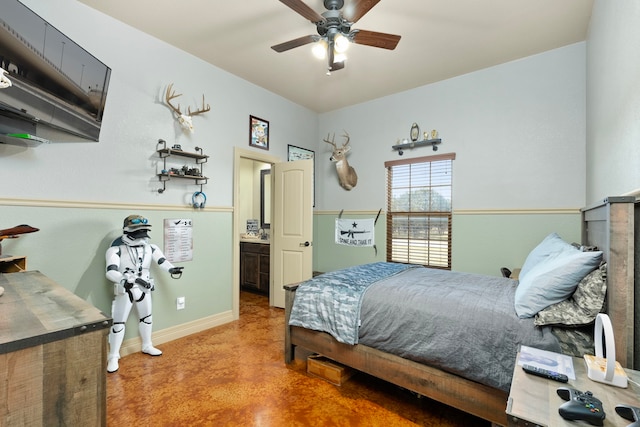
608, 225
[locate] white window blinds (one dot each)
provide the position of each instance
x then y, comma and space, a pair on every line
419, 210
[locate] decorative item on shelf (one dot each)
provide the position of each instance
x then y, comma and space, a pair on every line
346, 174
185, 120
415, 132
258, 133
430, 139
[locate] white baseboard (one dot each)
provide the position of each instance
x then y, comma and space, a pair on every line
134, 345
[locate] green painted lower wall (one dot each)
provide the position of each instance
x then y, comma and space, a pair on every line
72, 241
71, 244
482, 242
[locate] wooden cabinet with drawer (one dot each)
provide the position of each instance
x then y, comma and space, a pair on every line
254, 267
53, 355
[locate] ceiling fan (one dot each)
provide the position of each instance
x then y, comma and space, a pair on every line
334, 29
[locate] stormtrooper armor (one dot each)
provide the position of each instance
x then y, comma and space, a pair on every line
128, 262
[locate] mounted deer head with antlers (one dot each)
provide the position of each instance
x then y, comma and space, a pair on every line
346, 174
184, 119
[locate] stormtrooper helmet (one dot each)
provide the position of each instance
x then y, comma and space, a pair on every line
136, 230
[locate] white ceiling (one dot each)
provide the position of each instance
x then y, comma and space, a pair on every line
440, 39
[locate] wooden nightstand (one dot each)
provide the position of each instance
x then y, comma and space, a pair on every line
533, 401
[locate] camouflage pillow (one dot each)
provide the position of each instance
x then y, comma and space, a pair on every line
583, 306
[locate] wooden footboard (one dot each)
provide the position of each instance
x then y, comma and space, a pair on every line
471, 397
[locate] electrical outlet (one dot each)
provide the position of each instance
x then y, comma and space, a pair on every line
180, 303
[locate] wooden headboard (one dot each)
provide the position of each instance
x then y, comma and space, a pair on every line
609, 225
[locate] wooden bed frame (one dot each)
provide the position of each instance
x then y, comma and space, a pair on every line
608, 225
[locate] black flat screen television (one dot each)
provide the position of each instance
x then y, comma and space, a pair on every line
58, 90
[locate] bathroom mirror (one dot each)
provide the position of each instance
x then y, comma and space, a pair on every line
265, 198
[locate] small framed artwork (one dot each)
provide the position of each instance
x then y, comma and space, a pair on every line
258, 133
298, 153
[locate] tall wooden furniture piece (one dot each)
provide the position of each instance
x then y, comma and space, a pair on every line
254, 267
53, 352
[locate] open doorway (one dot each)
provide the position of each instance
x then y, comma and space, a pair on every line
247, 205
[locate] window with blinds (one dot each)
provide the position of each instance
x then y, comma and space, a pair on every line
419, 210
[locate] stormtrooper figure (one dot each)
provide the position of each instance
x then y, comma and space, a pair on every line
128, 263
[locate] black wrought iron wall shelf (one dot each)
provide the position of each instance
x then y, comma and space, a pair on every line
195, 174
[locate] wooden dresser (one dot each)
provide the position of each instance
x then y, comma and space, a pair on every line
53, 349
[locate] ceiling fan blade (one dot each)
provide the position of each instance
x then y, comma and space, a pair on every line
375, 39
300, 41
304, 10
358, 8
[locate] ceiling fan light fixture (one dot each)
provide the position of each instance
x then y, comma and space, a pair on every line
334, 30
341, 43
319, 49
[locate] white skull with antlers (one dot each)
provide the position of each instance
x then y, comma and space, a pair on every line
4, 80
184, 119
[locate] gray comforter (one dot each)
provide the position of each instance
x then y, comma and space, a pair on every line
459, 322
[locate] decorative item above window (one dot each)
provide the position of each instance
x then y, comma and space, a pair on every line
430, 139
415, 132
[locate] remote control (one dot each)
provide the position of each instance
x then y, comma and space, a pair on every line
545, 373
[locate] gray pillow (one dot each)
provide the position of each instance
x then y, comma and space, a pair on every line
583, 306
553, 280
551, 246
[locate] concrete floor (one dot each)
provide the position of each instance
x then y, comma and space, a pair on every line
235, 375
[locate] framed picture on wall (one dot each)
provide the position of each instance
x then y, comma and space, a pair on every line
258, 133
298, 153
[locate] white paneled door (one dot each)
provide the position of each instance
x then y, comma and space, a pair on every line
291, 226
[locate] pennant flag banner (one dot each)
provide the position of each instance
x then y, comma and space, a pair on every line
355, 232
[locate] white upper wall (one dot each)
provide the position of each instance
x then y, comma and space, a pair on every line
613, 87
122, 167
518, 131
